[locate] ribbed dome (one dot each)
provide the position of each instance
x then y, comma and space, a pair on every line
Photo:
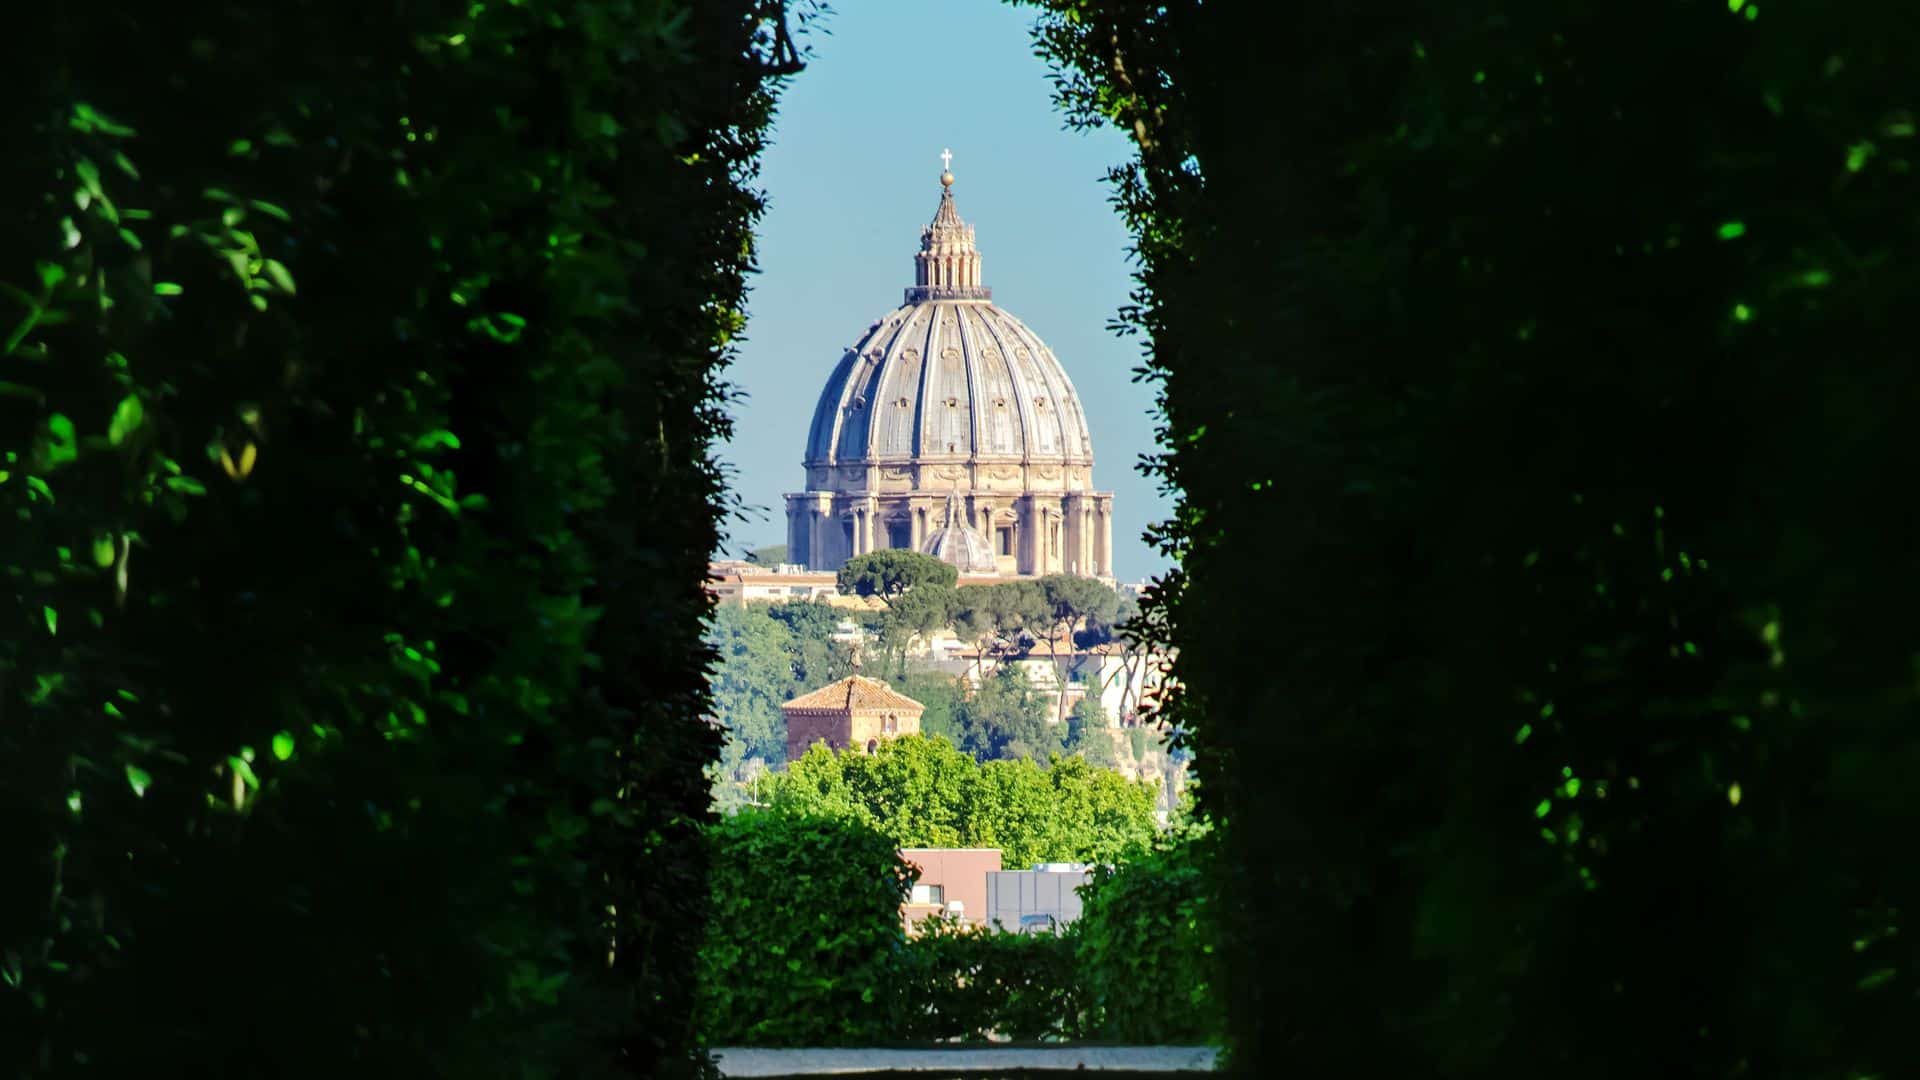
950, 399
959, 545
948, 377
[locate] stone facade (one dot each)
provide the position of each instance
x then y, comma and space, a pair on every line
856, 711
950, 394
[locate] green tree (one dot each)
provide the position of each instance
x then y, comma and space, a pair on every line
1087, 733
997, 618
941, 695
1073, 604
817, 658
916, 614
753, 674
922, 792
1005, 718
974, 620
891, 572
768, 654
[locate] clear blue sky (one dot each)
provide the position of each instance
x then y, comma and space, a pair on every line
852, 174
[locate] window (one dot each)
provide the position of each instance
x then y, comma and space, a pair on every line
899, 534
929, 894
1006, 539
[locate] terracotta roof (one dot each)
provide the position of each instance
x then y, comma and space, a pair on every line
855, 693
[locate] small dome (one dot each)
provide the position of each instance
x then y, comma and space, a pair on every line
959, 545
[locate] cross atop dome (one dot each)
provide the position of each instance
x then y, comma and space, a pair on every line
946, 168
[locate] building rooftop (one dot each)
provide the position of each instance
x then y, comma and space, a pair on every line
855, 693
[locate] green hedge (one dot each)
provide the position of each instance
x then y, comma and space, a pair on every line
806, 948
1550, 361
955, 983
805, 933
358, 378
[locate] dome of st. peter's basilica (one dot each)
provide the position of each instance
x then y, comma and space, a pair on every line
946, 401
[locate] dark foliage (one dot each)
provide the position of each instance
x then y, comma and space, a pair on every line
1537, 372
360, 377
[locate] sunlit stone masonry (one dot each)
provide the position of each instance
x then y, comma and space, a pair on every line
950, 407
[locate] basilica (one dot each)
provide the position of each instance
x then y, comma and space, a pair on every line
950, 428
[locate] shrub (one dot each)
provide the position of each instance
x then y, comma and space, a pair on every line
805, 932
955, 983
1145, 954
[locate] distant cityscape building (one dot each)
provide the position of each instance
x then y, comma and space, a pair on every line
969, 886
950, 402
856, 711
949, 881
1040, 900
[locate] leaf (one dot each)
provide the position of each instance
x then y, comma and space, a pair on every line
277, 273
127, 418
103, 551
60, 445
283, 745
435, 439
245, 771
53, 620
138, 780
88, 174
86, 119
185, 485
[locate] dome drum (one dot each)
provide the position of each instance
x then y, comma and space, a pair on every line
949, 399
